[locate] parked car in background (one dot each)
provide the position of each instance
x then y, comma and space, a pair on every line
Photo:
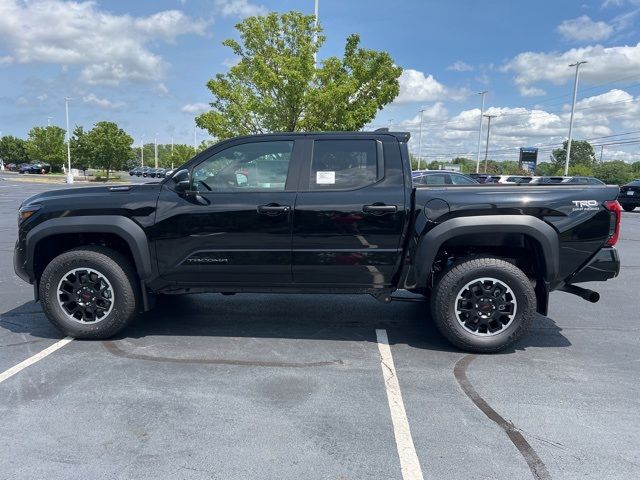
12, 167
629, 196
440, 177
485, 178
40, 168
134, 171
567, 180
143, 172
583, 180
513, 179
156, 173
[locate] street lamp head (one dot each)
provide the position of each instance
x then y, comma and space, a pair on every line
482, 93
578, 63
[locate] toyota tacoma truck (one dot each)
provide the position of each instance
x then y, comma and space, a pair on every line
330, 213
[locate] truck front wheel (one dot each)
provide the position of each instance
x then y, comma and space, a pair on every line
89, 292
483, 304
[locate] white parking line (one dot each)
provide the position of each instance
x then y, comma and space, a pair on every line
36, 358
409, 463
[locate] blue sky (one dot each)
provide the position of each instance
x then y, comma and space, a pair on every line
145, 65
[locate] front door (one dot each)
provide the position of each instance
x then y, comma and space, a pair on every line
237, 228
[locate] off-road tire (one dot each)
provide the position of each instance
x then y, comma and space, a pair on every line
628, 208
115, 267
444, 298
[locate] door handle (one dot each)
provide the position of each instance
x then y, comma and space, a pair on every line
273, 209
379, 209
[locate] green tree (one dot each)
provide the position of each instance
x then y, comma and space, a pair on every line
277, 87
580, 170
181, 154
581, 154
13, 150
81, 149
466, 164
46, 144
615, 172
110, 146
547, 169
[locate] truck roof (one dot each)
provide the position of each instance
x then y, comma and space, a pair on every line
401, 136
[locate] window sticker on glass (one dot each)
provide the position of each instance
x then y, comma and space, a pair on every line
325, 178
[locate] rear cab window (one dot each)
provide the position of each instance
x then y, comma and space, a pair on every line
344, 164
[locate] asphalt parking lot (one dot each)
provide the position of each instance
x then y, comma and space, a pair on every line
291, 387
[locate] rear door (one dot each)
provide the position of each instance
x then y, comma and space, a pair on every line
237, 229
350, 212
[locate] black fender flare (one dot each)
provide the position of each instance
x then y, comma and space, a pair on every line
124, 227
542, 232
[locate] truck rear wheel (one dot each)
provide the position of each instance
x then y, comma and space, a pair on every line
629, 208
89, 292
483, 304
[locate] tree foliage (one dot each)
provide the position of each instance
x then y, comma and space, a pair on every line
13, 150
581, 154
615, 172
46, 144
276, 86
81, 149
110, 146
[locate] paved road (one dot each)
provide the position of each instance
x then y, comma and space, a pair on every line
290, 387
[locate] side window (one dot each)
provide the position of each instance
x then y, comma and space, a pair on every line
343, 164
436, 179
258, 166
461, 180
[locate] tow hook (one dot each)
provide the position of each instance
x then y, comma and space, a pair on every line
585, 293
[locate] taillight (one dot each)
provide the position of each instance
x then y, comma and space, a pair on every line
614, 226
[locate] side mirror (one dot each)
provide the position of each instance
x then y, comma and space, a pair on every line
182, 180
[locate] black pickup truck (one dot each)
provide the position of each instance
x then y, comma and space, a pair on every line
317, 213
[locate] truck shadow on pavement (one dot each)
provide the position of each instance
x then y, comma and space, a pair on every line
311, 317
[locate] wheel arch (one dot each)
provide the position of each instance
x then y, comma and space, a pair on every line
543, 236
113, 226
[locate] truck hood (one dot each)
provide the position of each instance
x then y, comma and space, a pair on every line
85, 195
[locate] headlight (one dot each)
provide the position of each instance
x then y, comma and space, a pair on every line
26, 212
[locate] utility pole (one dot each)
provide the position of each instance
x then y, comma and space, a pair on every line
155, 155
315, 34
482, 94
69, 174
420, 138
486, 151
573, 109
601, 152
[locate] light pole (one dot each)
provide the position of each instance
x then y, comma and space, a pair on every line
142, 150
486, 151
420, 138
69, 174
155, 149
482, 94
573, 109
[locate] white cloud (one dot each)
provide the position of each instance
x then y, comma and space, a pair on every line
42, 97
240, 8
445, 137
460, 66
110, 48
416, 87
231, 62
197, 107
6, 60
161, 89
606, 64
584, 29
94, 101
